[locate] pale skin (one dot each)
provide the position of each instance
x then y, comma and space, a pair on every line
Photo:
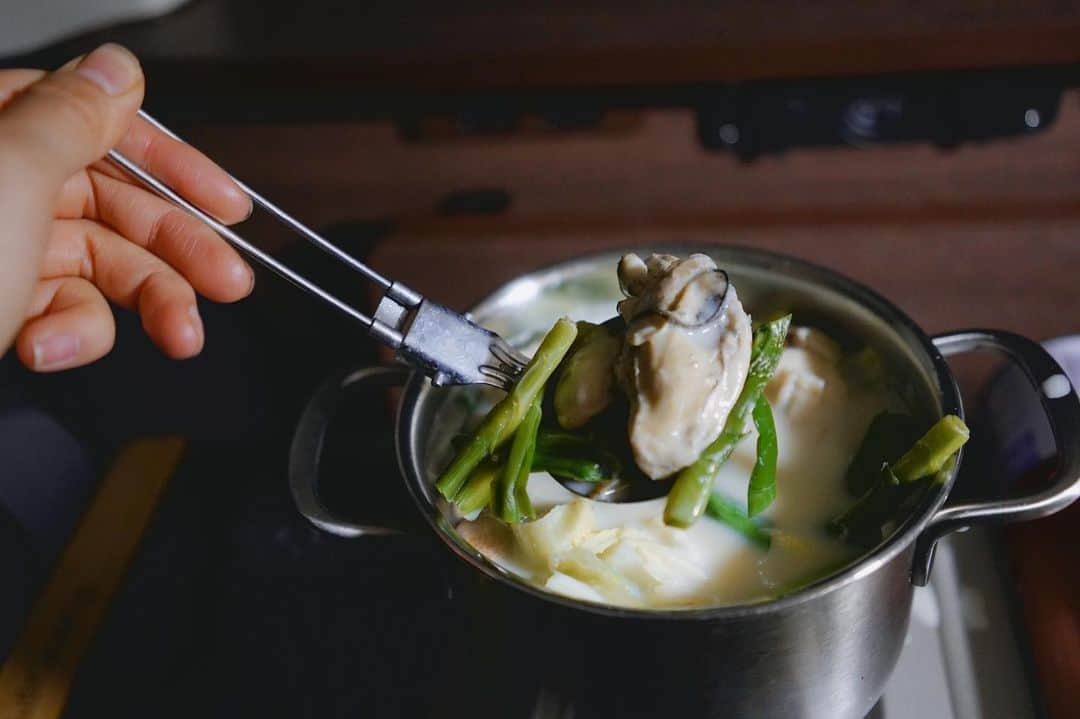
77, 233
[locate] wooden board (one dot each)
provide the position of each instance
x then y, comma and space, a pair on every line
651, 171
1020, 277
37, 675
222, 46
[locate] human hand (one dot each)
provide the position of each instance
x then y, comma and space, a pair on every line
75, 231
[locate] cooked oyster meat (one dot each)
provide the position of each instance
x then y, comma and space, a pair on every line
685, 357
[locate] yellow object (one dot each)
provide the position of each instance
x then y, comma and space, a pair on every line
36, 678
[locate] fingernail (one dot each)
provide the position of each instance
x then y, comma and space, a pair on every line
55, 352
250, 279
234, 194
196, 321
241, 273
110, 67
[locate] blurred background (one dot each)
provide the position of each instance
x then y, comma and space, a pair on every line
928, 149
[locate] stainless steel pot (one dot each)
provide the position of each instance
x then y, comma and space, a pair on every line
824, 651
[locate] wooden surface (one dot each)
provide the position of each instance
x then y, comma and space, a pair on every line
484, 44
985, 235
1045, 559
988, 234
649, 170
1022, 277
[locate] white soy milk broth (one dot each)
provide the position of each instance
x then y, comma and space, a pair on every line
820, 419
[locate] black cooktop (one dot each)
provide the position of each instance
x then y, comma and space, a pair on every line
234, 605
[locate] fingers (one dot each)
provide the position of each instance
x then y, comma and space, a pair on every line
72, 117
71, 325
49, 130
52, 127
169, 315
76, 198
13, 82
183, 168
132, 278
209, 263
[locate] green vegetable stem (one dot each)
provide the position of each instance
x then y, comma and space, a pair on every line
900, 485
933, 449
762, 490
724, 510
505, 417
693, 485
510, 498
476, 494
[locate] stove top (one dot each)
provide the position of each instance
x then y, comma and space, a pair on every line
234, 605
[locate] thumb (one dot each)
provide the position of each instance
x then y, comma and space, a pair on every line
72, 117
50, 130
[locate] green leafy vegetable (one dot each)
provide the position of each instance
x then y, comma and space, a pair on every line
578, 470
901, 485
861, 523
724, 510
888, 437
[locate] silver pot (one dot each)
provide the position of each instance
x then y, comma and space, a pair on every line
824, 651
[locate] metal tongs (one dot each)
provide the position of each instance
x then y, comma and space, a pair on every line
448, 347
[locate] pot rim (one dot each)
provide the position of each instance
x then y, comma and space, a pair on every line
901, 539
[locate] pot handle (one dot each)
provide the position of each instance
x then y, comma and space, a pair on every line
1062, 407
305, 452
